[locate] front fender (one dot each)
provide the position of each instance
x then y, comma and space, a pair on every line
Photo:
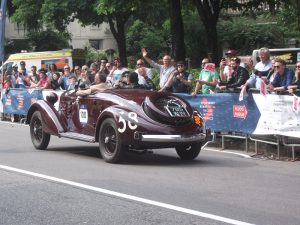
50, 118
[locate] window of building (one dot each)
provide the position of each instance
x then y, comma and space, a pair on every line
93, 27
96, 43
18, 27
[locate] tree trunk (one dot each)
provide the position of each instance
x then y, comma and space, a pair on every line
119, 34
177, 30
212, 42
209, 12
272, 5
298, 13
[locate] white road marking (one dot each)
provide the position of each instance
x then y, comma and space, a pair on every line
229, 152
12, 123
125, 196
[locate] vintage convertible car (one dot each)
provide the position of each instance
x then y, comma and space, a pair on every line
120, 120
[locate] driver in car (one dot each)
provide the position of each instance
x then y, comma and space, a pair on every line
100, 80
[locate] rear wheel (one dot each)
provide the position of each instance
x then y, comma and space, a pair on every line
110, 144
39, 138
189, 152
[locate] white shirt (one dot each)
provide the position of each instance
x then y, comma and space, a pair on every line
116, 75
164, 73
141, 78
260, 66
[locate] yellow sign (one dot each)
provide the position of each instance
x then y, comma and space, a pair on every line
39, 55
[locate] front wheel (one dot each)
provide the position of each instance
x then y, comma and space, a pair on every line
39, 138
110, 144
188, 152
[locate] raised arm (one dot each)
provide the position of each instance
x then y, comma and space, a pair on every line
145, 55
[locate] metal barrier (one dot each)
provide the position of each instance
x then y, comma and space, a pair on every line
235, 135
213, 140
268, 139
291, 142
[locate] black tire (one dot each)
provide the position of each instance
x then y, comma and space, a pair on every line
188, 152
39, 138
110, 145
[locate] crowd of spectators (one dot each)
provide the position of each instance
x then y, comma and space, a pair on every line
68, 79
173, 77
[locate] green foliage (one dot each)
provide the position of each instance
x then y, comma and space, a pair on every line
48, 40
287, 20
153, 13
246, 34
116, 6
27, 13
17, 45
93, 55
148, 24
155, 78
195, 41
57, 13
195, 73
140, 35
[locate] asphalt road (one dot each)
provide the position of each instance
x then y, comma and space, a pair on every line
70, 184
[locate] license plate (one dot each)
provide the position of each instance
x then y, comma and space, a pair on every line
176, 110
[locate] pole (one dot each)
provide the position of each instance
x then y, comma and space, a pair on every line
2, 38
2, 28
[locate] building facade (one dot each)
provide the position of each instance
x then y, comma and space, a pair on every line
98, 37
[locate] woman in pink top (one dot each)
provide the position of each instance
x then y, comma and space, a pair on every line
43, 82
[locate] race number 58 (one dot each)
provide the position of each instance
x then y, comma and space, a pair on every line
132, 126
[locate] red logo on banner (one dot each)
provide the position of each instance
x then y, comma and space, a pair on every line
20, 101
263, 88
295, 104
8, 101
240, 111
209, 110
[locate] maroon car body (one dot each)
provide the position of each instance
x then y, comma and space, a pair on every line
119, 119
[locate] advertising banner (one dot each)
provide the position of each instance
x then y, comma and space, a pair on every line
253, 114
18, 101
225, 112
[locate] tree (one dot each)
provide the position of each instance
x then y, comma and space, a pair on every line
298, 13
35, 14
209, 12
40, 40
117, 13
141, 35
177, 30
195, 40
246, 34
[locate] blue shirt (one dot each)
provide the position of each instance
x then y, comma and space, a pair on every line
283, 80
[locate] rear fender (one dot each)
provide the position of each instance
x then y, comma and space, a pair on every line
50, 118
116, 113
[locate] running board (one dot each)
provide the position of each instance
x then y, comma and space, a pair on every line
76, 136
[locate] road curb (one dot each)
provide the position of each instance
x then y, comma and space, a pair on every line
228, 152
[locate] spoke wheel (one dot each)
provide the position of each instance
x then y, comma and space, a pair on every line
39, 138
110, 144
189, 152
